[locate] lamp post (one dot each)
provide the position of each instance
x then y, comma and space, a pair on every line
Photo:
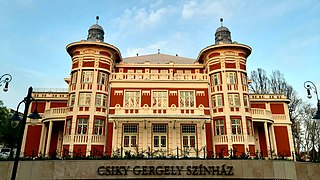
15, 121
5, 79
311, 87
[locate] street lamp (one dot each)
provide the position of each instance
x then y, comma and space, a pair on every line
15, 119
5, 79
311, 87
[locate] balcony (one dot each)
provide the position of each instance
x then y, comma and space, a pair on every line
159, 76
84, 139
261, 114
166, 111
54, 113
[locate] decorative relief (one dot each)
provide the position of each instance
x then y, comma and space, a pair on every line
146, 93
200, 93
89, 51
229, 53
118, 92
173, 93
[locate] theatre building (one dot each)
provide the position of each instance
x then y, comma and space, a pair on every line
158, 104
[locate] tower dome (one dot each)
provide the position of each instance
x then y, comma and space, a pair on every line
95, 32
223, 35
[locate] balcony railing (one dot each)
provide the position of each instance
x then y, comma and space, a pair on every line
158, 76
261, 114
159, 111
54, 113
84, 138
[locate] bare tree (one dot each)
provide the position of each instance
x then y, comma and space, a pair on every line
278, 84
260, 82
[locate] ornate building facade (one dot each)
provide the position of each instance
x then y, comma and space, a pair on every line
158, 104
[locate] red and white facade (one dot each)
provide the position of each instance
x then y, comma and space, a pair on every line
158, 103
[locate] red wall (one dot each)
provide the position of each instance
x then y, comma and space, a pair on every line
79, 150
65, 150
277, 108
223, 148
262, 141
41, 106
238, 149
97, 150
58, 104
282, 141
252, 150
209, 140
258, 105
33, 140
109, 141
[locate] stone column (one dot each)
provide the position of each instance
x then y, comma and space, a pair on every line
266, 131
49, 139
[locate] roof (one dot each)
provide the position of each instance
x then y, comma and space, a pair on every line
158, 59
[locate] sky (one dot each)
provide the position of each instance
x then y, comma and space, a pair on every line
284, 35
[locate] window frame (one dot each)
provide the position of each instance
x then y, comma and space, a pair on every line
219, 128
216, 79
82, 126
191, 99
87, 77
98, 128
231, 77
234, 100
236, 127
84, 99
164, 99
127, 97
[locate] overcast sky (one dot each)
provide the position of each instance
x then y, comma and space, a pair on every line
284, 35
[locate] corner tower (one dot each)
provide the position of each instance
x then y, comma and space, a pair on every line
86, 126
225, 63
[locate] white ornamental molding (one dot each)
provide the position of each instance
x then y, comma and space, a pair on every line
118, 92
173, 93
146, 93
200, 93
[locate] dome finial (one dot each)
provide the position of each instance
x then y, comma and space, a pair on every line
97, 19
221, 21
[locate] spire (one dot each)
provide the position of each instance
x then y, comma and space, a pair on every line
95, 32
223, 35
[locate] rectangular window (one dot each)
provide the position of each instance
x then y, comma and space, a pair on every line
126, 141
84, 99
216, 79
87, 76
130, 134
71, 100
98, 126
163, 141
74, 78
188, 135
244, 79
231, 78
155, 141
159, 135
246, 100
102, 78
186, 99
236, 126
234, 99
130, 128
159, 98
139, 73
132, 99
249, 128
101, 100
82, 126
68, 127
217, 100
219, 127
